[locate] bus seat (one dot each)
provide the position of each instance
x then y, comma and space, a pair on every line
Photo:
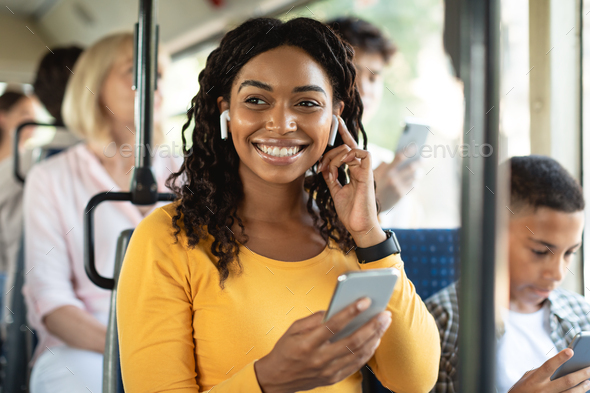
24, 160
20, 340
111, 377
431, 259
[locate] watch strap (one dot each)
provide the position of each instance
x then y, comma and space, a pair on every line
379, 251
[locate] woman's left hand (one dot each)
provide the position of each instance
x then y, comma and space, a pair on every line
355, 201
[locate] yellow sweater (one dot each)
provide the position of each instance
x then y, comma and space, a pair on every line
180, 332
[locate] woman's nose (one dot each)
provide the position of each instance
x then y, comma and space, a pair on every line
281, 122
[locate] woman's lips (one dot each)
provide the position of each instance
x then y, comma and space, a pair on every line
273, 160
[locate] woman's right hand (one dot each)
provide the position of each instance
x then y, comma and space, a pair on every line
538, 380
304, 358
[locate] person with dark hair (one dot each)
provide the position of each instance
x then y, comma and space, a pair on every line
545, 230
225, 288
372, 53
52, 78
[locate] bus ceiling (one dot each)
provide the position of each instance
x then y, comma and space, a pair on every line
28, 28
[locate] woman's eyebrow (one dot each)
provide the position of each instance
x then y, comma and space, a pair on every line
301, 89
254, 83
267, 87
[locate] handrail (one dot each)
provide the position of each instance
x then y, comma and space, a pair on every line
481, 195
89, 257
144, 187
15, 155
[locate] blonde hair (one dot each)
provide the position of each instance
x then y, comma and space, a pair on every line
82, 111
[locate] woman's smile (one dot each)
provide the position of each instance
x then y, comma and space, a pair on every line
279, 151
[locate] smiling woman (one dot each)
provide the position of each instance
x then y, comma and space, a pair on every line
269, 212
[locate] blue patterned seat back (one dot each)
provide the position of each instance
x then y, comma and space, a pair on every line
430, 257
431, 260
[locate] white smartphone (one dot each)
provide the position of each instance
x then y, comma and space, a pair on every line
581, 359
377, 284
414, 135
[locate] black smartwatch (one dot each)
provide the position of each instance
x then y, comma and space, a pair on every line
379, 251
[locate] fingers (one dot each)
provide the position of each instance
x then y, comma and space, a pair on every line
573, 381
330, 156
344, 155
370, 331
307, 323
355, 351
581, 388
345, 134
548, 368
339, 321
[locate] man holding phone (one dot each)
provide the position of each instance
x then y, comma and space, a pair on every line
545, 230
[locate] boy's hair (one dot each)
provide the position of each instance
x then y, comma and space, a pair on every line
211, 188
53, 74
363, 36
539, 181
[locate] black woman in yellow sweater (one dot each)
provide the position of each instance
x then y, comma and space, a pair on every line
225, 289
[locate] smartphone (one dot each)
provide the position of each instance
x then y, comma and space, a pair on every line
581, 359
414, 135
377, 284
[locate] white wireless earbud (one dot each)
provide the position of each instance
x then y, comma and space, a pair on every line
223, 119
333, 131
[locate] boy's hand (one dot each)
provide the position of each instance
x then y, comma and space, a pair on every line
538, 380
394, 180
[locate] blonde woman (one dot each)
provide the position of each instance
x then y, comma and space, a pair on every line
66, 310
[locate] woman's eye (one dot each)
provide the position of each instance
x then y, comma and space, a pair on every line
307, 104
255, 101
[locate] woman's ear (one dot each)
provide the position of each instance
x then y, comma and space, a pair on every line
338, 108
222, 105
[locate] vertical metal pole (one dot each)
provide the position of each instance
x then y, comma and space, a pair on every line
143, 185
480, 23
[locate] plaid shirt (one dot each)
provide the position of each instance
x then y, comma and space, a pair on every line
568, 316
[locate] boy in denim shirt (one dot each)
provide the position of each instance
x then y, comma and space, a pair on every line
545, 230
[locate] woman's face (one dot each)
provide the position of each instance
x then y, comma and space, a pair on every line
281, 114
118, 96
23, 111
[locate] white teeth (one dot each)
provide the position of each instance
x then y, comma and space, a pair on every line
279, 151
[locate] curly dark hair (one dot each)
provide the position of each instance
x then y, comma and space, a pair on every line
540, 181
211, 188
364, 36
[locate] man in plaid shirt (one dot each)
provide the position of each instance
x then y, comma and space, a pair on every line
545, 229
